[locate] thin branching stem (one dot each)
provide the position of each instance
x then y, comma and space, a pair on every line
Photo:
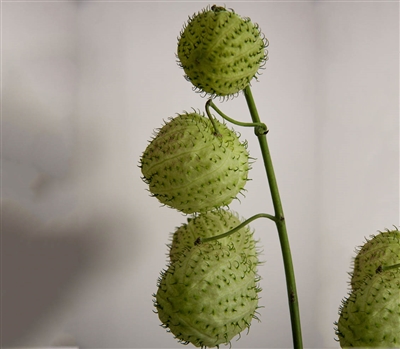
234, 230
262, 128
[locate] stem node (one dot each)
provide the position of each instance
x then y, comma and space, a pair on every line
261, 130
292, 297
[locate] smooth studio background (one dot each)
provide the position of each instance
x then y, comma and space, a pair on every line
83, 86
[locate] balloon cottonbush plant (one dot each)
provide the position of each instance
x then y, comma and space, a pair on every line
206, 225
381, 250
220, 51
190, 167
209, 291
196, 164
370, 316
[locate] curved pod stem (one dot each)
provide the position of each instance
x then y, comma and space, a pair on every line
234, 230
259, 126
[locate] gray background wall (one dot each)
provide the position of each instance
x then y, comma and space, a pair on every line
83, 86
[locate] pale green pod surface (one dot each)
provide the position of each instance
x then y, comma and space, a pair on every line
191, 168
208, 296
381, 250
220, 51
370, 316
210, 224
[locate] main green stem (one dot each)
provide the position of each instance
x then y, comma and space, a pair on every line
281, 226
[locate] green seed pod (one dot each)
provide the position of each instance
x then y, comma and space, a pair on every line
370, 316
210, 224
191, 168
221, 52
381, 250
208, 296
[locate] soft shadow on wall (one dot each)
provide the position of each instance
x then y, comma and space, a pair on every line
61, 192
39, 266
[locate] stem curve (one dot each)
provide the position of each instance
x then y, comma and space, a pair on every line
234, 230
259, 126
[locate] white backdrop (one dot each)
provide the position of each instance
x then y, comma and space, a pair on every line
83, 86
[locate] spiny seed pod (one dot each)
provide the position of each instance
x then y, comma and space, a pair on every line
381, 250
191, 168
208, 296
210, 224
220, 51
370, 316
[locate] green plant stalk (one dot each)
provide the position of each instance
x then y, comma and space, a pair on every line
234, 230
387, 267
280, 224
